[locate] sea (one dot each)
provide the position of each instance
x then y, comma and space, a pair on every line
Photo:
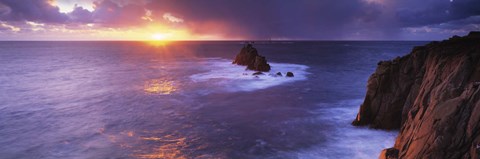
182, 100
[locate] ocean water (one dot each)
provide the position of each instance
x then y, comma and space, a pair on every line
186, 100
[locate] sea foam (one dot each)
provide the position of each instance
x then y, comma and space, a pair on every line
235, 78
347, 141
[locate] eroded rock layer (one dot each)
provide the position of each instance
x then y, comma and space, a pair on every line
432, 95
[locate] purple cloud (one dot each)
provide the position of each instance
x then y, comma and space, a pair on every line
260, 19
39, 10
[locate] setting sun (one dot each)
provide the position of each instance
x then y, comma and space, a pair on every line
159, 36
150, 79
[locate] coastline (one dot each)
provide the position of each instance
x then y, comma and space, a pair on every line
431, 95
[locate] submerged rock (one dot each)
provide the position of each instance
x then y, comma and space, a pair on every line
258, 73
249, 57
432, 95
289, 74
279, 74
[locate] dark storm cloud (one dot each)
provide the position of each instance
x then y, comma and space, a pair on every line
428, 12
250, 18
467, 24
32, 10
110, 13
82, 15
269, 18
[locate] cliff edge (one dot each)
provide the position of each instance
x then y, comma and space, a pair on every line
432, 96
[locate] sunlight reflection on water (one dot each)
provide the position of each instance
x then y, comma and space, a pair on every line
170, 149
159, 86
149, 144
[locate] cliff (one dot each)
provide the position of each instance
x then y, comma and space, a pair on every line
432, 96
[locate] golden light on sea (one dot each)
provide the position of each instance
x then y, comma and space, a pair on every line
158, 86
170, 150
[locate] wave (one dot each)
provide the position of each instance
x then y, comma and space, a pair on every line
223, 73
347, 141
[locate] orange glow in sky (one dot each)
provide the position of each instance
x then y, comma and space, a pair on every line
153, 25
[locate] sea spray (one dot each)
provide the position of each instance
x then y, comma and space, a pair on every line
237, 78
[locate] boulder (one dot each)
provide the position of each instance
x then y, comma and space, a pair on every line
279, 74
249, 57
432, 96
289, 74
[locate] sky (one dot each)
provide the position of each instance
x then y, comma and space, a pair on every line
237, 20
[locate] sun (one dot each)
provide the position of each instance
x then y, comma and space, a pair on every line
159, 36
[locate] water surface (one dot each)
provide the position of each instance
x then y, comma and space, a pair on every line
186, 100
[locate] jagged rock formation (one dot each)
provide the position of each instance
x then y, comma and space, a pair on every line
432, 95
249, 57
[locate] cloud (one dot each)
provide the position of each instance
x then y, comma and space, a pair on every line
38, 10
80, 14
462, 26
112, 14
33, 24
148, 15
268, 18
171, 18
254, 19
4, 10
411, 13
67, 6
9, 27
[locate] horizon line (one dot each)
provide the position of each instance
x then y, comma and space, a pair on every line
201, 40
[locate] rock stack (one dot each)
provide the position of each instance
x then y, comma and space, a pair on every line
433, 96
249, 57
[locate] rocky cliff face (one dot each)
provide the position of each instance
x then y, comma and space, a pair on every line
249, 57
432, 95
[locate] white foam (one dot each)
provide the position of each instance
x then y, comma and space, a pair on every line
235, 78
348, 141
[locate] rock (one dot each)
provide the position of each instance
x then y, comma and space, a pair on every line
455, 37
432, 97
390, 153
476, 84
474, 34
289, 74
258, 73
260, 64
279, 74
249, 57
246, 56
